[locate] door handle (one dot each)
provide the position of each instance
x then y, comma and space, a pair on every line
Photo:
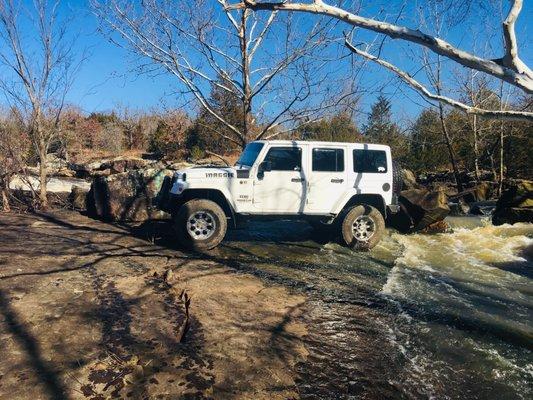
297, 180
337, 180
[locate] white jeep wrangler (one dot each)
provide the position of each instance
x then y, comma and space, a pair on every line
349, 187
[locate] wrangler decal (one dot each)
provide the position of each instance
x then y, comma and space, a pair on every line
219, 175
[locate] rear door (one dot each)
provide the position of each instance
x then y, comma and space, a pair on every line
373, 171
281, 190
327, 178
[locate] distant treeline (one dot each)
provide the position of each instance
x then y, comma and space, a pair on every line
420, 145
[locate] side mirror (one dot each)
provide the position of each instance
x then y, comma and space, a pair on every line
265, 166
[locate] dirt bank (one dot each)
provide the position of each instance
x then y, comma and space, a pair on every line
89, 311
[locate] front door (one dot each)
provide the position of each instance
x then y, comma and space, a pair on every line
327, 179
282, 189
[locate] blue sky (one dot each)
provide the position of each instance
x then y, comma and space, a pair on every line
107, 78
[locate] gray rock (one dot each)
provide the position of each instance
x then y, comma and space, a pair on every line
515, 204
420, 208
409, 180
78, 198
129, 196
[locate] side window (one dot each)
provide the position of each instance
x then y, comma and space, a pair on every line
370, 161
285, 158
328, 160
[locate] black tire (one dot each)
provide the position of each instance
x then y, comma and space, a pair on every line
207, 230
371, 223
397, 180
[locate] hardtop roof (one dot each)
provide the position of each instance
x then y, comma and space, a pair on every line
322, 143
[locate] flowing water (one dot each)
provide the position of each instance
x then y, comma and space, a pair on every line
420, 316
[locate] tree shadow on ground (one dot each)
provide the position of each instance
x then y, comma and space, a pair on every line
48, 375
111, 254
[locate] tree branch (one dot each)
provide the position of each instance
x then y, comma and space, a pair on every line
515, 72
500, 114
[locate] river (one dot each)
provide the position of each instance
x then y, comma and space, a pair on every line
443, 316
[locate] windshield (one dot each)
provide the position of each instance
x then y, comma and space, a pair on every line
250, 153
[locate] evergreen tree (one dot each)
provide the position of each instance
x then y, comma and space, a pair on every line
339, 128
208, 133
380, 129
427, 150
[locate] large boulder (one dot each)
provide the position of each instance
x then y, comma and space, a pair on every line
109, 166
420, 208
119, 165
78, 198
409, 180
129, 196
515, 204
481, 191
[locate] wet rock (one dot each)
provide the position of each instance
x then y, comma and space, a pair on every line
482, 207
480, 192
129, 196
78, 198
419, 208
459, 208
450, 189
515, 204
512, 215
437, 227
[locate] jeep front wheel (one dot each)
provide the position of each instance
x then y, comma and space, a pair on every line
362, 227
200, 224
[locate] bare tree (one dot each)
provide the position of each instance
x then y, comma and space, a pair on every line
38, 63
13, 152
277, 74
476, 91
508, 68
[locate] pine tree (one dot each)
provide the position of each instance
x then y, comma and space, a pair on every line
427, 151
208, 133
380, 129
339, 128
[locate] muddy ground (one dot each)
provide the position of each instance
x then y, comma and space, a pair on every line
92, 310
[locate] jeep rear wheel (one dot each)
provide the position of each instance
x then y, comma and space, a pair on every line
362, 227
200, 224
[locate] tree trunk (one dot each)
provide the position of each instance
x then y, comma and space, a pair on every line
476, 147
43, 175
451, 153
502, 164
5, 197
247, 90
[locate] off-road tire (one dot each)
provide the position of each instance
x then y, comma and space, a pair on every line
212, 212
355, 216
397, 180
